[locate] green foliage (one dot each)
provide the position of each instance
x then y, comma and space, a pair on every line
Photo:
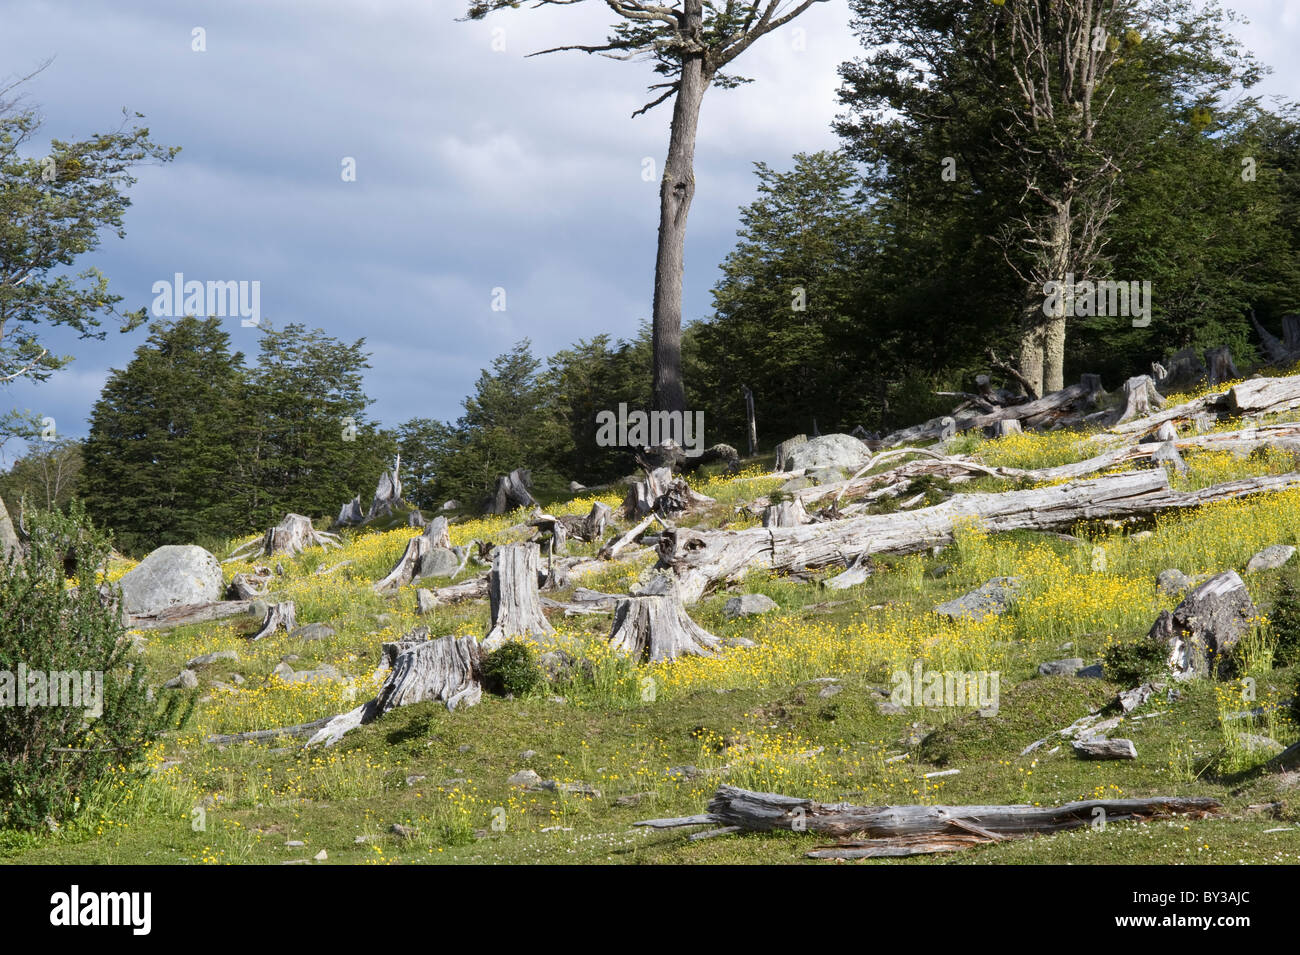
1285, 620
53, 758
512, 669
47, 475
56, 204
1134, 662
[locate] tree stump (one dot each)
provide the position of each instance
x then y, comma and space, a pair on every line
351, 514
388, 493
1221, 366
661, 493
784, 448
411, 564
513, 490
447, 669
1179, 369
512, 590
295, 534
281, 616
657, 628
785, 514
1005, 427
1140, 398
249, 586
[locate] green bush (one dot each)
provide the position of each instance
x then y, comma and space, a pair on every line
87, 726
1285, 620
1135, 662
512, 669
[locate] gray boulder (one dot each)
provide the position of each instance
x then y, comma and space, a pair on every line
991, 599
1172, 582
185, 680
209, 658
828, 451
1206, 625
1068, 667
1270, 558
312, 631
748, 604
438, 562
172, 576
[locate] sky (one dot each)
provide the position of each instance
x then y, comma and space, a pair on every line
477, 169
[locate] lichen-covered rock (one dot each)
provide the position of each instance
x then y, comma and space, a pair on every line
172, 576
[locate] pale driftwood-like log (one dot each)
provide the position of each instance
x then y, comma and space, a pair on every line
191, 613
1264, 395
1031, 413
262, 736
516, 609
656, 628
1220, 365
279, 616
885, 831
513, 490
447, 669
250, 586
1140, 398
857, 573
616, 544
703, 559
785, 514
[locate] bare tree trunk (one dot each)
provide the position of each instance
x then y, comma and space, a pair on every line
752, 431
10, 548
1033, 341
676, 190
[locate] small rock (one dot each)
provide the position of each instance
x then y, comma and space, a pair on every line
321, 856
295, 843
185, 680
528, 754
889, 708
747, 605
425, 601
525, 777
634, 799
412, 780
312, 631
1094, 672
1172, 582
1255, 743
938, 571
1067, 667
464, 748
991, 599
453, 782
322, 674
208, 658
737, 642
404, 832
237, 679
829, 690
1270, 558
1130, 700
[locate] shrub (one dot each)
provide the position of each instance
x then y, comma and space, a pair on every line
512, 669
1135, 662
1285, 618
53, 757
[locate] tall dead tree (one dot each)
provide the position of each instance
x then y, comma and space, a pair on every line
690, 42
1059, 55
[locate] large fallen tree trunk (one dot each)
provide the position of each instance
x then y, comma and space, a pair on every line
703, 559
191, 613
883, 831
1029, 413
516, 607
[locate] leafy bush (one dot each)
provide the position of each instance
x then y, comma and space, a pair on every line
1285, 619
1135, 662
63, 654
512, 669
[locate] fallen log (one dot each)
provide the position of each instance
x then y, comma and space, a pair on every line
703, 559
892, 831
191, 613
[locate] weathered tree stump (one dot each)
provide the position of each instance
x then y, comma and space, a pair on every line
280, 616
785, 514
1204, 628
1221, 366
1001, 429
250, 586
661, 493
1140, 398
1178, 370
414, 560
512, 589
656, 628
447, 669
513, 490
